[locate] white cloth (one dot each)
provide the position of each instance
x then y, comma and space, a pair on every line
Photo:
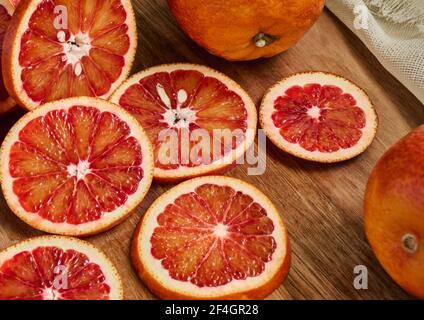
393, 30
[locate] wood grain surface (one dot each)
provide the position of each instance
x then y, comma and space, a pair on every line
321, 204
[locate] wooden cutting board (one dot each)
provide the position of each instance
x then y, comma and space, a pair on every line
321, 204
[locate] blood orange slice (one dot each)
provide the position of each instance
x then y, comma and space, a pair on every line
76, 166
46, 60
57, 268
6, 12
212, 238
319, 116
195, 104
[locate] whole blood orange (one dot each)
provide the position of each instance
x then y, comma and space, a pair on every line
319, 117
245, 29
195, 104
57, 268
212, 238
76, 166
394, 212
46, 60
6, 12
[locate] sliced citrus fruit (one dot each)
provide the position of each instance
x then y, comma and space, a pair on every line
76, 166
46, 60
195, 104
319, 116
6, 12
212, 238
57, 268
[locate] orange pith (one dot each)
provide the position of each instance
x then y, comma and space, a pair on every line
211, 238
44, 269
89, 57
183, 99
76, 164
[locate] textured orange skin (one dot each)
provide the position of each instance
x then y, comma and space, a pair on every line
394, 206
163, 293
227, 28
9, 40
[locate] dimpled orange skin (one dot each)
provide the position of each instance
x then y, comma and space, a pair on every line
228, 28
394, 207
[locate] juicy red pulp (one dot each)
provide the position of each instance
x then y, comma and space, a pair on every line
319, 118
74, 166
212, 104
212, 236
52, 273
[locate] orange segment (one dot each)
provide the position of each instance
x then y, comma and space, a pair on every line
63, 132
175, 216
218, 199
84, 207
23, 268
167, 240
34, 192
197, 207
238, 206
88, 14
183, 263
140, 101
109, 14
42, 20
61, 89
58, 206
26, 162
13, 289
258, 246
111, 64
122, 155
240, 262
125, 179
106, 195
38, 79
214, 269
97, 78
46, 258
115, 41
73, 13
84, 121
36, 48
109, 131
160, 81
38, 135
